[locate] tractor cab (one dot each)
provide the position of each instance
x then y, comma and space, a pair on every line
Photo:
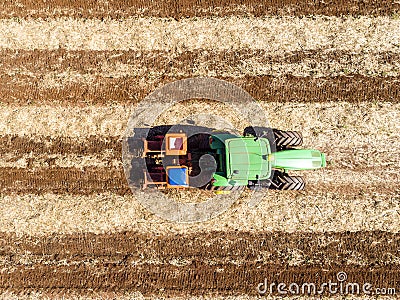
240, 159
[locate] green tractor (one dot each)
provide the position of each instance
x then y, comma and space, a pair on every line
186, 156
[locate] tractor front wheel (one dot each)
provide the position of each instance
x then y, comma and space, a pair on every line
284, 139
283, 181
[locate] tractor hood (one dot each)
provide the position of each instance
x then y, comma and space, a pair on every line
298, 159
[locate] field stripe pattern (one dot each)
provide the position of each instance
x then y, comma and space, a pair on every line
71, 74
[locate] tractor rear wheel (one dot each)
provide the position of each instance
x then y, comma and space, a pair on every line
283, 181
285, 139
257, 131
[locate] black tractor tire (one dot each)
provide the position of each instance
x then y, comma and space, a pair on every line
199, 142
231, 188
257, 186
257, 131
285, 139
283, 181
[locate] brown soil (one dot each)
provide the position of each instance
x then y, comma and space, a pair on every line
130, 90
88, 180
372, 249
222, 263
195, 279
93, 180
19, 145
191, 8
34, 88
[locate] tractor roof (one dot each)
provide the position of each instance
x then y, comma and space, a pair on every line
247, 158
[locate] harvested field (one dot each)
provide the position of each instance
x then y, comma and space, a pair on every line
275, 35
73, 72
322, 207
360, 121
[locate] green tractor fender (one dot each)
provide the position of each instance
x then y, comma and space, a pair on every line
220, 180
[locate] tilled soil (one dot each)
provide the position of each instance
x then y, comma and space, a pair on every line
130, 90
372, 249
213, 263
177, 281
